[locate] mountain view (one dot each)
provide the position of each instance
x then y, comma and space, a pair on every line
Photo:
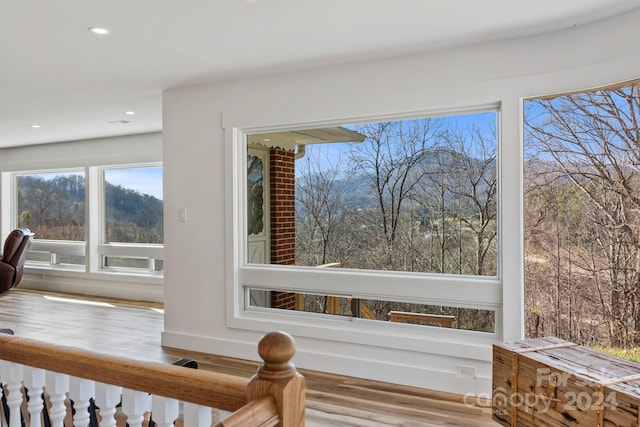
54, 208
414, 196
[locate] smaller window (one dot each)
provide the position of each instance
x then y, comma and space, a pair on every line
58, 254
472, 319
133, 229
150, 264
133, 205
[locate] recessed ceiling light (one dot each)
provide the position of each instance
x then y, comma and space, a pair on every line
101, 31
35, 126
130, 113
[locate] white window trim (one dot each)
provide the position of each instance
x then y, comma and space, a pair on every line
151, 251
466, 291
93, 247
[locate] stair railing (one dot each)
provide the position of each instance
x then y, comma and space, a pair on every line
32, 370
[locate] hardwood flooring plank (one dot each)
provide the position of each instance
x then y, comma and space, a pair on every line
132, 329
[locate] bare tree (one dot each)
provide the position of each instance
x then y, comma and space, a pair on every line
590, 142
320, 189
427, 183
389, 157
474, 192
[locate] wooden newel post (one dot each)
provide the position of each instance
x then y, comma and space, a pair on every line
278, 377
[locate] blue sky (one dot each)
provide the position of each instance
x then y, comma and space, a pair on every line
327, 155
145, 180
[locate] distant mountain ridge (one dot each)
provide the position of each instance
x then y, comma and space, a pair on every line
62, 200
359, 192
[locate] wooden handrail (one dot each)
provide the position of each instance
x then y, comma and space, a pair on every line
207, 388
366, 313
275, 393
445, 321
329, 265
261, 412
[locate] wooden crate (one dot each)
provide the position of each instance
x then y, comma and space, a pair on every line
552, 382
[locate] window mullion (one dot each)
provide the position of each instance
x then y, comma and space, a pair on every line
94, 195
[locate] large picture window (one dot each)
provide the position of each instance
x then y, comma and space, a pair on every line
410, 195
410, 205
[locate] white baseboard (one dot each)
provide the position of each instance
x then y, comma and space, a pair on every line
380, 370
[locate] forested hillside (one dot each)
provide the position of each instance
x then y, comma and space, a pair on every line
54, 208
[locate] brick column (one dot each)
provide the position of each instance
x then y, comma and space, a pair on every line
283, 219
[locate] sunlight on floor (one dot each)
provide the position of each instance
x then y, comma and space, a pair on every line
78, 301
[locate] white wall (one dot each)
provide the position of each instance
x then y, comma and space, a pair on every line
196, 279
130, 149
138, 148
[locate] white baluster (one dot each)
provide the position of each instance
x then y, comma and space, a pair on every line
164, 411
57, 386
12, 376
134, 405
107, 397
80, 392
196, 415
34, 383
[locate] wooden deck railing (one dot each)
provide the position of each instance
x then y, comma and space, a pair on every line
432, 319
274, 396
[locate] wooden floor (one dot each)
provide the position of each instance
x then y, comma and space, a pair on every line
132, 330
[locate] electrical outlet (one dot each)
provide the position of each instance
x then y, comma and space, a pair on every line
466, 371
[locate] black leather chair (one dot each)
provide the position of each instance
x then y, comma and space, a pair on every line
13, 257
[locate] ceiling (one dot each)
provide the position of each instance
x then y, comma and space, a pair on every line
76, 85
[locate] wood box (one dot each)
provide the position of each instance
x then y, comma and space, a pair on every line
552, 382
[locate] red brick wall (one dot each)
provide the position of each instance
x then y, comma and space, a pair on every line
283, 300
283, 226
283, 203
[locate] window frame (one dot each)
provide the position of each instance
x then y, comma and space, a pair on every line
482, 292
54, 247
151, 251
93, 247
